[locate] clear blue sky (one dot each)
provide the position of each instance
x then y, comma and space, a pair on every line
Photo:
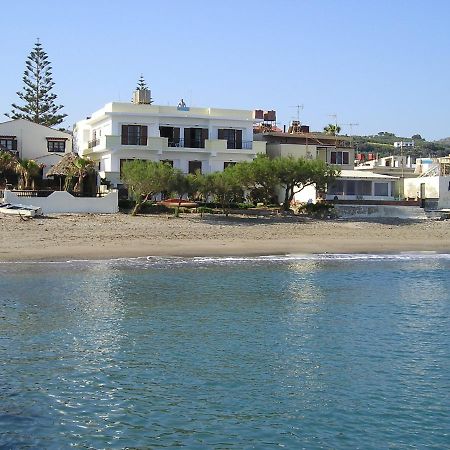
383, 64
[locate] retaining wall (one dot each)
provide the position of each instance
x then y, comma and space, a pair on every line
380, 211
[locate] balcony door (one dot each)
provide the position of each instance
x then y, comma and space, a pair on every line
233, 137
195, 137
172, 134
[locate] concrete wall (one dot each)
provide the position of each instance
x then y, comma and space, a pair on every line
435, 187
379, 211
63, 202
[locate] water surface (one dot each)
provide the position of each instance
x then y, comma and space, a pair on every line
346, 351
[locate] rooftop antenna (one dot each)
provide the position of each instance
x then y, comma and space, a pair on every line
351, 125
299, 107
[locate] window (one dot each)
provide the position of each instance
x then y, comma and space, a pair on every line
134, 135
350, 187
339, 158
172, 134
337, 188
195, 166
233, 137
363, 188
8, 143
54, 145
167, 161
228, 164
195, 137
381, 189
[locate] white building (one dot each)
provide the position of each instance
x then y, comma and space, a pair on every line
299, 142
190, 139
29, 140
361, 185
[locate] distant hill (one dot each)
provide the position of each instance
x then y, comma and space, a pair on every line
383, 144
445, 141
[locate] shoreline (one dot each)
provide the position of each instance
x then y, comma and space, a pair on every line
102, 237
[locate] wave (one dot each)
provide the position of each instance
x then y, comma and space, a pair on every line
165, 261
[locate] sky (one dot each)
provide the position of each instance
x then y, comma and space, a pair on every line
384, 65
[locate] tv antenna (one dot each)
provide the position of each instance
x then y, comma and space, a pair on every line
351, 125
299, 107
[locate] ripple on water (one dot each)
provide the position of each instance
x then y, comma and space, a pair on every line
321, 351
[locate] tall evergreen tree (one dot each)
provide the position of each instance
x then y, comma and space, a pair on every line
141, 85
37, 92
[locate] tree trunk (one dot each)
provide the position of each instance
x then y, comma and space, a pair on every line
139, 204
287, 201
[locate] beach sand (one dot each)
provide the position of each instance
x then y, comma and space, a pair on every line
64, 237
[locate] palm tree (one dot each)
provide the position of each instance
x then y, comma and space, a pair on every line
82, 168
332, 129
7, 163
28, 170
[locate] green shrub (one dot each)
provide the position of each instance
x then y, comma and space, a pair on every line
153, 208
205, 209
126, 204
317, 210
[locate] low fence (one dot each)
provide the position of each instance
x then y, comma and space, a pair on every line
64, 202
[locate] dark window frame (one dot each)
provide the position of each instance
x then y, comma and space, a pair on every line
134, 134
339, 157
56, 146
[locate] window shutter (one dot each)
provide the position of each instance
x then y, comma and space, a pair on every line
204, 136
124, 140
220, 134
238, 138
14, 144
144, 133
176, 135
187, 137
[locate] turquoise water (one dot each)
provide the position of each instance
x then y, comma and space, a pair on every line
300, 352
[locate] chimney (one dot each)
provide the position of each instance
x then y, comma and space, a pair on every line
142, 95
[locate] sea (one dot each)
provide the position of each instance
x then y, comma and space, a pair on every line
293, 352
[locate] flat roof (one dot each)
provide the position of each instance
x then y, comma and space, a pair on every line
365, 175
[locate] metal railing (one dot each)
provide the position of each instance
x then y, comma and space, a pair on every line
93, 143
176, 142
31, 193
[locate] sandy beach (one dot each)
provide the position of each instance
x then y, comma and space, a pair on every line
63, 237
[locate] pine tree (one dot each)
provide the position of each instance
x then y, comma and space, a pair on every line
142, 85
37, 92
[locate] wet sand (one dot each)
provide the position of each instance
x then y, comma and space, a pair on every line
65, 237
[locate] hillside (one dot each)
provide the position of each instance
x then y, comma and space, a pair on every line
383, 144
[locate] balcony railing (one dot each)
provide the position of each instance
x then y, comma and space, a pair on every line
176, 142
93, 143
233, 145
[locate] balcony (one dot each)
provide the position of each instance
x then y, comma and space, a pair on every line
162, 144
93, 143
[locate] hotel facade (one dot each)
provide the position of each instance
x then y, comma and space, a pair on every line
189, 139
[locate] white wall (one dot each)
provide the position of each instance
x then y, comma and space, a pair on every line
63, 202
435, 187
31, 138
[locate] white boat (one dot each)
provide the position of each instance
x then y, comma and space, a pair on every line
20, 210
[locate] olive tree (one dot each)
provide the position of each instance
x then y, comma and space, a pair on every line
146, 179
295, 174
